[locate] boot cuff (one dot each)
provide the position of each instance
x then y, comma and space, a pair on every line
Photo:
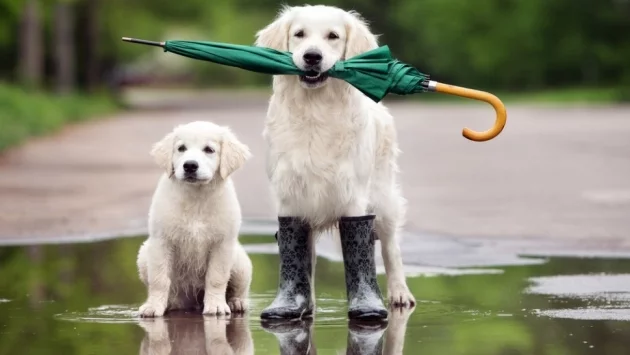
358, 218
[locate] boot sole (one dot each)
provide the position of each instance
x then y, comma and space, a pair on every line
368, 315
287, 315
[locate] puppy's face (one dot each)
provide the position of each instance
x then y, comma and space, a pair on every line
317, 36
195, 156
195, 152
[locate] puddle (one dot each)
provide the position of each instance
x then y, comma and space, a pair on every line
606, 296
83, 299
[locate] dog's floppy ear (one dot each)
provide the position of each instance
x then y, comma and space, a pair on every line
162, 153
233, 154
359, 37
276, 34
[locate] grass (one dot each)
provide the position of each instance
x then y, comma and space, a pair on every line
26, 113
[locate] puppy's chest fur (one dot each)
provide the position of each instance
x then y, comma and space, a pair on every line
196, 231
193, 226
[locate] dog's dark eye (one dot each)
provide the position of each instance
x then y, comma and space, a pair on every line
333, 35
208, 150
299, 34
181, 149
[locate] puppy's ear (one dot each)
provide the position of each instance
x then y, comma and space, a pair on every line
359, 37
276, 34
162, 153
233, 154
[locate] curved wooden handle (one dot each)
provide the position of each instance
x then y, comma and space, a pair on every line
500, 120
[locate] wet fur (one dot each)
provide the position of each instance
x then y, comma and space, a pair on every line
192, 257
332, 151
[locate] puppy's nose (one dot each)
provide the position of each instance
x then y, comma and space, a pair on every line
312, 57
191, 166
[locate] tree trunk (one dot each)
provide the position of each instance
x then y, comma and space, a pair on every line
92, 35
64, 47
31, 55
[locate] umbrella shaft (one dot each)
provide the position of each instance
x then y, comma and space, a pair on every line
143, 41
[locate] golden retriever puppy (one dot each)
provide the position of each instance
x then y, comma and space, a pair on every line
192, 256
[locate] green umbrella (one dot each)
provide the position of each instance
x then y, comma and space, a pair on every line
375, 73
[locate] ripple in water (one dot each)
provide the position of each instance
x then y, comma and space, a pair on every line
103, 314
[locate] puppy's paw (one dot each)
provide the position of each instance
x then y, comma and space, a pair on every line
238, 305
399, 296
215, 306
150, 309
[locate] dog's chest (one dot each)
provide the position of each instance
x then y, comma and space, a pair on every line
318, 164
196, 221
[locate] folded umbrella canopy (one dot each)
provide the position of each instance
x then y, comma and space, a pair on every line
375, 73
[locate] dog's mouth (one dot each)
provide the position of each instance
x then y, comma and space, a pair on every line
313, 77
192, 178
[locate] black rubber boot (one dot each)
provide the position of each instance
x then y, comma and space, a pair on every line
357, 244
293, 299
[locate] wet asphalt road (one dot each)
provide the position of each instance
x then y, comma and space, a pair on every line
557, 175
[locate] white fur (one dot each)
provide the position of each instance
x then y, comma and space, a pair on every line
194, 225
333, 151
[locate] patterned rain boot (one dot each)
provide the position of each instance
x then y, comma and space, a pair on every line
357, 244
293, 299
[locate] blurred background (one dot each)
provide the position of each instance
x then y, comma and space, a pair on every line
555, 182
553, 49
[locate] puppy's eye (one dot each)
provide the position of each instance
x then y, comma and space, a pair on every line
181, 149
333, 35
208, 150
299, 34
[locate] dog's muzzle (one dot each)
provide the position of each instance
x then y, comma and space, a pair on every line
313, 59
190, 170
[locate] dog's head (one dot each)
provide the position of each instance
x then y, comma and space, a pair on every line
317, 36
193, 153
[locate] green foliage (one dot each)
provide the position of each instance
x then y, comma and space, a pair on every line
503, 45
25, 113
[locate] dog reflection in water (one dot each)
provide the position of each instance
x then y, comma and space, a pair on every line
196, 335
209, 335
295, 337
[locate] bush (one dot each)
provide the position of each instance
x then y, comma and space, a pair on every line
25, 113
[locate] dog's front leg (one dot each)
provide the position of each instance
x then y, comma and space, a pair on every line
159, 279
217, 277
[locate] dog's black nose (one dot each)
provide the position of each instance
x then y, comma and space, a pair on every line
191, 166
313, 57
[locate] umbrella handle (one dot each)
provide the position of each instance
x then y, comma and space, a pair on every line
500, 120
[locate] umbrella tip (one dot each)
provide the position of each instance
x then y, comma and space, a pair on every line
143, 41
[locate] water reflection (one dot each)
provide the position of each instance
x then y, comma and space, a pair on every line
185, 333
294, 337
188, 333
83, 298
